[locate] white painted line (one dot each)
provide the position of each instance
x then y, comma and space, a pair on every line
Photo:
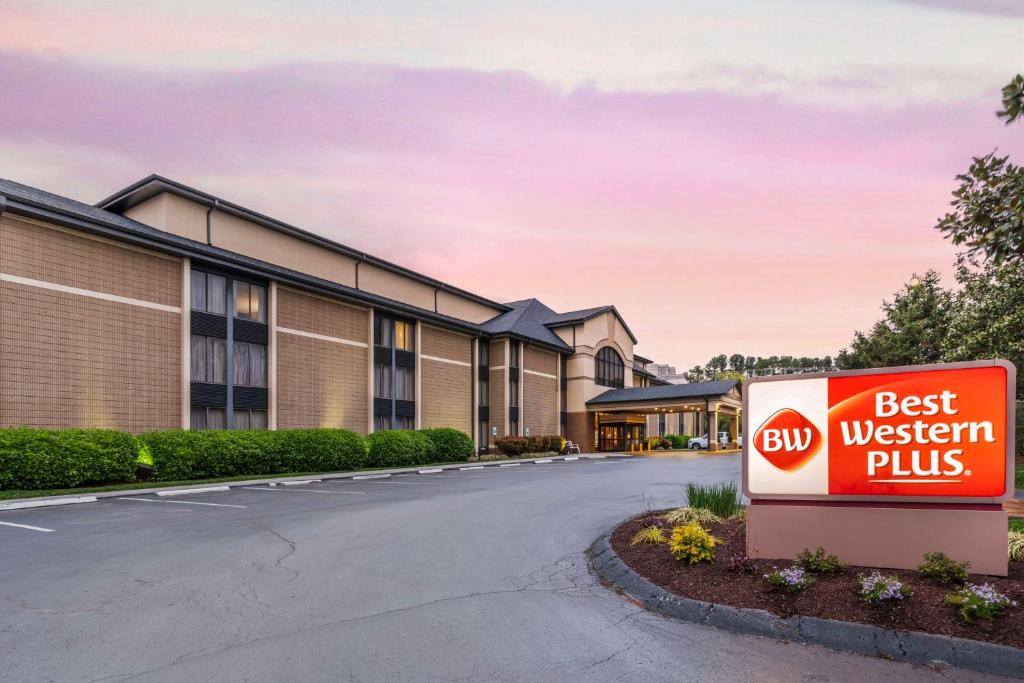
26, 526
47, 502
542, 461
299, 482
568, 459
432, 470
370, 476
256, 488
189, 492
183, 502
472, 467
273, 483
510, 464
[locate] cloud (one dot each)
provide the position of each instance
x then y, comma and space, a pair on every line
1002, 8
704, 216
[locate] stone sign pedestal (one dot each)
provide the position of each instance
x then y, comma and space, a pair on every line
875, 534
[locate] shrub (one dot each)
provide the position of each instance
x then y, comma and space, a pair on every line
63, 458
181, 454
449, 444
1015, 546
396, 448
649, 535
679, 440
877, 588
818, 562
721, 499
685, 515
692, 543
793, 579
979, 602
941, 568
519, 445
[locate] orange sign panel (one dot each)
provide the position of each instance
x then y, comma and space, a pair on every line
935, 432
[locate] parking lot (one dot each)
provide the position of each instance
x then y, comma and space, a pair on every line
474, 574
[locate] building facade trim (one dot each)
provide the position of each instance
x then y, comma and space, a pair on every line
92, 294
322, 337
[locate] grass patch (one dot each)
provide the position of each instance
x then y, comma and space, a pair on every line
131, 486
721, 499
1017, 525
1020, 477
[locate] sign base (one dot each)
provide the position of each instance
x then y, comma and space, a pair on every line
870, 534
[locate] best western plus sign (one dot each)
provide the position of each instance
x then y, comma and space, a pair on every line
911, 434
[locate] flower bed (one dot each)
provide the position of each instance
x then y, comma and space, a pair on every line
731, 579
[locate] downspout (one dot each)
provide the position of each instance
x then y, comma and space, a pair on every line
435, 299
361, 260
3, 204
213, 207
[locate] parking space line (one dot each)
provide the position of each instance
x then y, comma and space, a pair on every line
188, 492
182, 502
27, 526
257, 488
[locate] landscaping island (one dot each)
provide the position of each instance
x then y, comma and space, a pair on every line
732, 579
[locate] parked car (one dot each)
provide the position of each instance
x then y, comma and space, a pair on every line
701, 442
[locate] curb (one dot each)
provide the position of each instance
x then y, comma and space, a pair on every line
49, 501
903, 646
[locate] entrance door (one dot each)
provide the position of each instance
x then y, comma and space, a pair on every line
619, 436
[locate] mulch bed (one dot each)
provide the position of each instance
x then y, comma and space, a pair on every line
833, 596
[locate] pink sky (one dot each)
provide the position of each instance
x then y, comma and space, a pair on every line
766, 209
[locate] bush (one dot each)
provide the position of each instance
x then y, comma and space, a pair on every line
941, 568
685, 515
721, 499
692, 543
50, 458
520, 445
649, 535
876, 588
202, 454
449, 444
679, 441
396, 448
979, 602
1015, 546
793, 579
818, 562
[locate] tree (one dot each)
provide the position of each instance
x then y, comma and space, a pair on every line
988, 206
912, 330
987, 317
737, 362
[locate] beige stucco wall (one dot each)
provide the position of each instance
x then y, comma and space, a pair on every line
188, 219
590, 337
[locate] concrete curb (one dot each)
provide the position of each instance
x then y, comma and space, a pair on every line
47, 501
903, 646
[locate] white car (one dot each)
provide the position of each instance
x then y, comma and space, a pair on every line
701, 442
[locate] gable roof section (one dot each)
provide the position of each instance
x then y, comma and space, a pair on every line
581, 316
666, 392
528, 320
154, 184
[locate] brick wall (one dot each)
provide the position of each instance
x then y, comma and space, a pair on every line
321, 383
446, 392
68, 360
497, 389
579, 428
540, 392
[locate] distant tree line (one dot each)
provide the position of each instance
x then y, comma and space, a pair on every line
739, 366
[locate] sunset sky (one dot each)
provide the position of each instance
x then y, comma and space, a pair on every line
742, 176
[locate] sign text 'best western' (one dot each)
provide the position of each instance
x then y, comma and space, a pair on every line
928, 432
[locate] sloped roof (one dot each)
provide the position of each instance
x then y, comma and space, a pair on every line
583, 315
528, 319
666, 392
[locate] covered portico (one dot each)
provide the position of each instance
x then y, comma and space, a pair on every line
620, 415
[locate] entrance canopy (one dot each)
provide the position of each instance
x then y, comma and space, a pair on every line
698, 405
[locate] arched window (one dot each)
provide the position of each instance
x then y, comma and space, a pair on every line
609, 368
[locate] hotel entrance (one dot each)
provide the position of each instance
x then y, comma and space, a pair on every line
621, 433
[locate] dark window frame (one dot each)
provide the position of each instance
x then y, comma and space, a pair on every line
609, 368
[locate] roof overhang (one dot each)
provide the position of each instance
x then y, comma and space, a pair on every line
593, 314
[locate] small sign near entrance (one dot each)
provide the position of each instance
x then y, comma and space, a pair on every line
923, 433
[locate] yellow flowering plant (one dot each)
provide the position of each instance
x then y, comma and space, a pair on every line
692, 542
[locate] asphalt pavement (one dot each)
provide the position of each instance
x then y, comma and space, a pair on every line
476, 575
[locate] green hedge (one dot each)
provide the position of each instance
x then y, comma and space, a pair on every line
202, 454
49, 459
521, 445
678, 440
52, 459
